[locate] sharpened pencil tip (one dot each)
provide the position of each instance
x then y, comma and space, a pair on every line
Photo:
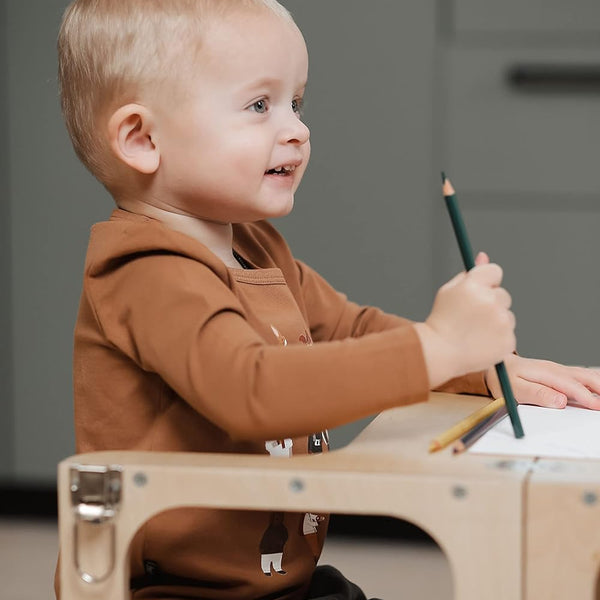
443, 176
458, 448
447, 188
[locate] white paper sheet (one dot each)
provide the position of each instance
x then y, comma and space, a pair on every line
557, 433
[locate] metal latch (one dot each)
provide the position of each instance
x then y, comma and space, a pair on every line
95, 498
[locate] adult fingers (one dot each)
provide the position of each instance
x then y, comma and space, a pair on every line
588, 377
572, 382
593, 402
530, 392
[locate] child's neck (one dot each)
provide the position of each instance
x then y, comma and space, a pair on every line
217, 237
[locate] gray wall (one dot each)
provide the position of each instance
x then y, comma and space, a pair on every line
52, 203
6, 404
524, 160
364, 209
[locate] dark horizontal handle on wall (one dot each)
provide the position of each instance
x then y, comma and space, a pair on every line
555, 77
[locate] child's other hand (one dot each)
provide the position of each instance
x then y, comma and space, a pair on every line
547, 383
470, 326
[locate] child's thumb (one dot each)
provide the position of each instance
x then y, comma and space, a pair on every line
482, 259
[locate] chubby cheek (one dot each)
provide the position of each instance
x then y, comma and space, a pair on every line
248, 157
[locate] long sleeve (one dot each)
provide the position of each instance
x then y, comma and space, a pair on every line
332, 316
174, 317
174, 352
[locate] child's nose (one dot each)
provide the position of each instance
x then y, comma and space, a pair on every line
296, 132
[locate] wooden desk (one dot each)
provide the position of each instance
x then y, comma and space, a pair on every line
522, 529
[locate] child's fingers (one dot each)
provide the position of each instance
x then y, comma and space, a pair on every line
503, 298
482, 259
489, 274
512, 323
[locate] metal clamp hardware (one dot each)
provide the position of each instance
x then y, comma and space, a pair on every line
95, 498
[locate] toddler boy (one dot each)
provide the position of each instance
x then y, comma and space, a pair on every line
198, 331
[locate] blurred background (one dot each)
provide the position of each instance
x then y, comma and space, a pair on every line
503, 96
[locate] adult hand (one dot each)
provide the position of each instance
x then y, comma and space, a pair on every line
550, 384
546, 383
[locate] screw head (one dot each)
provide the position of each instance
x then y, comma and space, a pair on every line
590, 498
296, 485
459, 491
140, 479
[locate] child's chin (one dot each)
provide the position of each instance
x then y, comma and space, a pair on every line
281, 209
285, 211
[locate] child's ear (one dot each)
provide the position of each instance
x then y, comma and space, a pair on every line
130, 131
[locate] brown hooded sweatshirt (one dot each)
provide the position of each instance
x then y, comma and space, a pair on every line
176, 352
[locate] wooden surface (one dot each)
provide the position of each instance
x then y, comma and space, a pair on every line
493, 517
563, 530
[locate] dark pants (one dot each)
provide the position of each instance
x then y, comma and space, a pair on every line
329, 584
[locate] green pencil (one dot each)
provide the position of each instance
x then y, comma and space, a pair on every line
469, 262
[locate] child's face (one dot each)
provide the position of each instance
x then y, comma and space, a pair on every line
233, 147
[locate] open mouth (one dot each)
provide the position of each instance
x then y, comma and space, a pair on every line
283, 170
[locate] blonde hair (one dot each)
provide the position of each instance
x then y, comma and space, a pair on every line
110, 50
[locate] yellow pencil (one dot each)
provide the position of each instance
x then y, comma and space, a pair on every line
458, 430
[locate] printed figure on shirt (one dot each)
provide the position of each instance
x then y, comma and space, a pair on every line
310, 530
317, 441
310, 524
280, 448
272, 545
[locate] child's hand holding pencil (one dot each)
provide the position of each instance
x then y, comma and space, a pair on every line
470, 326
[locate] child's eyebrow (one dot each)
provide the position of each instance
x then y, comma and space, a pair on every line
263, 82
267, 82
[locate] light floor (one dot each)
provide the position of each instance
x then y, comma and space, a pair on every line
391, 570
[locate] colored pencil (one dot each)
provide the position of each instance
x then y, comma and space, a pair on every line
462, 427
467, 440
469, 262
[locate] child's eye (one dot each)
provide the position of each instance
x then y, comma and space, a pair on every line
260, 106
298, 106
